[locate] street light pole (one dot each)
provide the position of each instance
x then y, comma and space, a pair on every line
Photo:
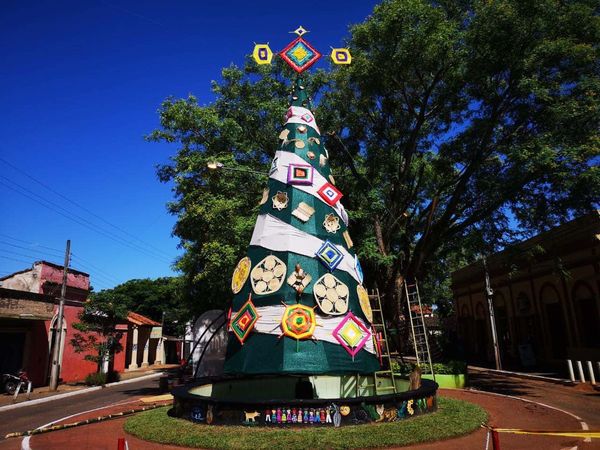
55, 369
489, 292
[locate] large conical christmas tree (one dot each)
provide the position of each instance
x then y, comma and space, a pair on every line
299, 306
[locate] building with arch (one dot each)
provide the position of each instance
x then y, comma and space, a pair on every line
546, 299
28, 321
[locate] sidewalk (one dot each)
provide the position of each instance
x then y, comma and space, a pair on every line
503, 412
44, 391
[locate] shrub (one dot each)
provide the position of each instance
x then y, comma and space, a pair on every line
100, 379
449, 368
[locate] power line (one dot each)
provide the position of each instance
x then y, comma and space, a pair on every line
98, 269
30, 243
73, 202
78, 219
15, 259
95, 271
21, 254
22, 247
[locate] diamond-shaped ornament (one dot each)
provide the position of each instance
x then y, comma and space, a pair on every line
300, 55
352, 334
243, 322
330, 255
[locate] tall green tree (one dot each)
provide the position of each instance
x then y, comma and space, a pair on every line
459, 127
462, 121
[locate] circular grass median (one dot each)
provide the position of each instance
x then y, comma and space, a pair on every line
453, 418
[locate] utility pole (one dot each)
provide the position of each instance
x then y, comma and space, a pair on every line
55, 369
489, 292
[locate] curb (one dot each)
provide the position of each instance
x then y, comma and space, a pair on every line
527, 376
50, 398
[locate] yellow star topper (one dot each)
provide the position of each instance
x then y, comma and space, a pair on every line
262, 54
341, 56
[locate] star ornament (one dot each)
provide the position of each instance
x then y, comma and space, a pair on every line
262, 54
300, 31
298, 322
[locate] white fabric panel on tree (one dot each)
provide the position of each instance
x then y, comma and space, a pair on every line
280, 173
274, 234
298, 114
269, 322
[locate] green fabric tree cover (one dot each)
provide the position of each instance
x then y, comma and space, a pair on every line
272, 352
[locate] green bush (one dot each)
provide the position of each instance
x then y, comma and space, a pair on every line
449, 368
100, 379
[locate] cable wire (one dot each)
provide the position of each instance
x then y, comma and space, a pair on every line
73, 202
79, 220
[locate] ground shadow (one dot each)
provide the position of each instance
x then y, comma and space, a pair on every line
500, 385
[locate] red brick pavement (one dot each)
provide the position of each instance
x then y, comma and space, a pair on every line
503, 412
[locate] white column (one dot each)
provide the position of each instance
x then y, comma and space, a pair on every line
146, 352
134, 348
159, 352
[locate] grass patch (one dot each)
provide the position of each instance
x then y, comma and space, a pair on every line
453, 418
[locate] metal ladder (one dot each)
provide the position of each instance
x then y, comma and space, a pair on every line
379, 327
417, 325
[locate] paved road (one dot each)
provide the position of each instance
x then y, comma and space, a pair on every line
580, 400
30, 417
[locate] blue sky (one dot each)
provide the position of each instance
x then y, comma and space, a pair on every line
81, 84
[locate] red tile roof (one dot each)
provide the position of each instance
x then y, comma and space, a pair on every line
138, 319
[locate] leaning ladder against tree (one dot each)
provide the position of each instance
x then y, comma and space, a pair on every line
417, 326
383, 351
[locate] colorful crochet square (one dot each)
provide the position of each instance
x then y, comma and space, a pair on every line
330, 194
299, 55
300, 174
243, 322
352, 334
329, 255
298, 321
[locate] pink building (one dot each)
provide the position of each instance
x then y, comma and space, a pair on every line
28, 316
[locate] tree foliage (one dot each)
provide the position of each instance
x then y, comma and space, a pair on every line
459, 127
97, 336
152, 298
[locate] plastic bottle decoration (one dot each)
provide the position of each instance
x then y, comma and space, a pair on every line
311, 416
317, 416
322, 415
300, 415
294, 416
306, 416
278, 415
268, 416
283, 416
327, 416
273, 416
